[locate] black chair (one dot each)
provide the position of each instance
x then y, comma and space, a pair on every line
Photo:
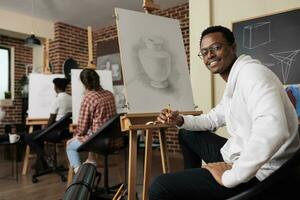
283, 183
106, 141
60, 130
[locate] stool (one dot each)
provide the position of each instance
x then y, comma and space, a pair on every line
13, 157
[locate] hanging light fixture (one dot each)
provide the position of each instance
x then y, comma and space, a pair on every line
32, 41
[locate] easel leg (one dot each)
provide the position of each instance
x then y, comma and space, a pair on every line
147, 163
70, 176
27, 155
132, 165
163, 151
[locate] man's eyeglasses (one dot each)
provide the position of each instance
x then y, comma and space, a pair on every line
211, 49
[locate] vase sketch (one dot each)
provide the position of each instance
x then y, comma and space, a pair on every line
155, 61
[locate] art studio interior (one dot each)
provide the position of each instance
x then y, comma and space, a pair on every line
108, 99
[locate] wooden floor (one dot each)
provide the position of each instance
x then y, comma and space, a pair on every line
50, 187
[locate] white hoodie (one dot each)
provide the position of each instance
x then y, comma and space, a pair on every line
260, 119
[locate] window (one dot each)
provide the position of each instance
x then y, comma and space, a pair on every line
5, 75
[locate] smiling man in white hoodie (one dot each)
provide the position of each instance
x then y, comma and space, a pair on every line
259, 118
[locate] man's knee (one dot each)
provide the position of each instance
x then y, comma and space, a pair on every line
181, 134
28, 138
184, 136
159, 189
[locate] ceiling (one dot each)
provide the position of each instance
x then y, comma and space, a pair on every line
82, 13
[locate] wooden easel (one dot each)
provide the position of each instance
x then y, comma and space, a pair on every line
46, 68
150, 6
132, 123
90, 64
31, 123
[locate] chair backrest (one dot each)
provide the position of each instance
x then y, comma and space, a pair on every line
61, 125
98, 142
283, 182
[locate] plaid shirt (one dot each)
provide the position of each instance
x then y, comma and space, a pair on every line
96, 108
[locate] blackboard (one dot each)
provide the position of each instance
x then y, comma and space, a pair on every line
275, 41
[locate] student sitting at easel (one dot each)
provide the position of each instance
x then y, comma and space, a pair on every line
61, 106
97, 107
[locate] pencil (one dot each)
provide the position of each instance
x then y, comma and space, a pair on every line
168, 111
169, 108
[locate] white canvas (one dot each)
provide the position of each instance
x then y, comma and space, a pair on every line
41, 94
154, 62
78, 89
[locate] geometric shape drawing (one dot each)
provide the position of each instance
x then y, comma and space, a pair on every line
154, 63
286, 60
255, 35
78, 89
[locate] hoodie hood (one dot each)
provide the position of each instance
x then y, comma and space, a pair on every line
241, 62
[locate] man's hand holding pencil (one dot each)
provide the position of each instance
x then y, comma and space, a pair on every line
167, 116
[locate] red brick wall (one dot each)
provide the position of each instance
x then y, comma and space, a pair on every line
69, 41
22, 57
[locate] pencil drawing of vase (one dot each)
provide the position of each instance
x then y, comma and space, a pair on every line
155, 61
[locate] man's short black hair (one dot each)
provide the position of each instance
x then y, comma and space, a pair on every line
228, 35
61, 83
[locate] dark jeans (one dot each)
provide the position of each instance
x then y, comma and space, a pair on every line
38, 145
195, 182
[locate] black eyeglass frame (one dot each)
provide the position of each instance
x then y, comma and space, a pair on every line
212, 49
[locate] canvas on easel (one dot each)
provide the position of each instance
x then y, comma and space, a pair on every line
41, 94
154, 62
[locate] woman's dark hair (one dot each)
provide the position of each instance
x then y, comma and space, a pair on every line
228, 35
90, 79
61, 83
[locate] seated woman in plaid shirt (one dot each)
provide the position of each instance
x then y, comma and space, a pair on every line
97, 107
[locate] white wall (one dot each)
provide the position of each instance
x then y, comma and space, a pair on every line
201, 78
19, 25
222, 12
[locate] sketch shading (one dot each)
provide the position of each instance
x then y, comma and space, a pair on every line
120, 98
286, 60
255, 35
155, 61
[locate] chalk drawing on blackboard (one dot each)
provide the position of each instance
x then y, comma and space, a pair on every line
255, 35
286, 60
